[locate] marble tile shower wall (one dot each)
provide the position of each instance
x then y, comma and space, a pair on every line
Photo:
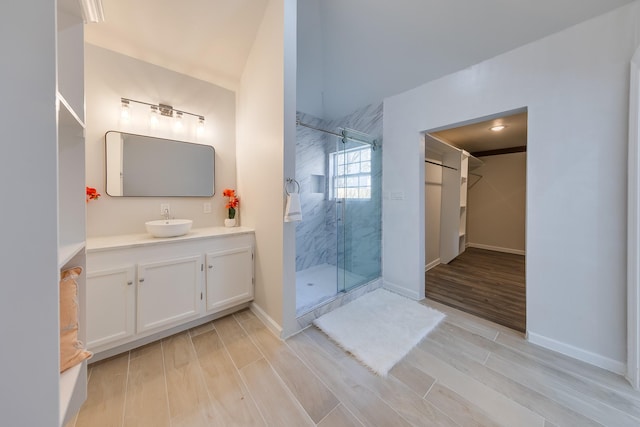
314, 239
316, 235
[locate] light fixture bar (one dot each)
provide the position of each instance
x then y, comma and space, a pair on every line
164, 109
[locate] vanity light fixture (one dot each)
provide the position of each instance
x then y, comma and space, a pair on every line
497, 128
124, 109
153, 116
200, 128
178, 124
163, 110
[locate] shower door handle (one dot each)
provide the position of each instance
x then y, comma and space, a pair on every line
340, 215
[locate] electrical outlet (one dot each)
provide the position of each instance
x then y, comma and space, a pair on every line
207, 208
165, 209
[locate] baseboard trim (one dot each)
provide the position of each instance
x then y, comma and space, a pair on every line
496, 248
598, 360
266, 319
434, 263
400, 290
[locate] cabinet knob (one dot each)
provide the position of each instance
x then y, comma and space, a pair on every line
141, 280
130, 282
211, 266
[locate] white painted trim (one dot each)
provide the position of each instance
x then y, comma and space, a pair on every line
409, 293
496, 248
598, 360
434, 263
633, 228
266, 319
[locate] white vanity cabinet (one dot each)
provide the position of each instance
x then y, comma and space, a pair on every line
169, 292
111, 298
229, 281
141, 288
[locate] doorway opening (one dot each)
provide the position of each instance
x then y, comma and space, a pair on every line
475, 217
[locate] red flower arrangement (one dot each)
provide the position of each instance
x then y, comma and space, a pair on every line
92, 194
233, 202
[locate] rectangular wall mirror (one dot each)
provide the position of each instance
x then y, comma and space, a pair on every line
141, 166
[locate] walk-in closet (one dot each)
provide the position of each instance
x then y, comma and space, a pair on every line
475, 213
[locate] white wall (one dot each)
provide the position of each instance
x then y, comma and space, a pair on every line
265, 153
575, 85
110, 76
310, 58
496, 204
433, 205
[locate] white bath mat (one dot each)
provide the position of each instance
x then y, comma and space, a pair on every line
379, 328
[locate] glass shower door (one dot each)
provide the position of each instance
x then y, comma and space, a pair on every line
357, 180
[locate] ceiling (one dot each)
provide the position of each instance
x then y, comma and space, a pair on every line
370, 49
478, 136
206, 39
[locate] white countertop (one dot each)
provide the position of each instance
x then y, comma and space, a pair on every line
132, 240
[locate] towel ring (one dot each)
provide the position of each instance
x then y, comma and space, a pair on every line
294, 183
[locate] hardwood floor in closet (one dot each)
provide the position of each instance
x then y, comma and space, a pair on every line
488, 284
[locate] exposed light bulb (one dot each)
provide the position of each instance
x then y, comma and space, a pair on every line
200, 128
178, 122
153, 116
497, 128
124, 109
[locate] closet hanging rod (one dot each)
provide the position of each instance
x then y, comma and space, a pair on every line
341, 135
439, 164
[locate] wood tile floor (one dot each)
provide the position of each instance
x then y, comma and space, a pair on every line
488, 284
467, 372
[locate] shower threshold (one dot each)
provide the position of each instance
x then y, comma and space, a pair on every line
317, 285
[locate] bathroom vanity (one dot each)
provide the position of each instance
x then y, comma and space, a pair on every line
140, 288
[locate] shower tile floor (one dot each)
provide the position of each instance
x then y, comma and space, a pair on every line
318, 284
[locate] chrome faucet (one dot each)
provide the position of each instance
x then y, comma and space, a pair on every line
165, 214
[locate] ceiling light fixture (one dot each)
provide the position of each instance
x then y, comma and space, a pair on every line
497, 128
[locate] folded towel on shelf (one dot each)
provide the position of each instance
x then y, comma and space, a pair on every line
292, 211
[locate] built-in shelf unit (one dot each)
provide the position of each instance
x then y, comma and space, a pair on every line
43, 170
455, 164
71, 181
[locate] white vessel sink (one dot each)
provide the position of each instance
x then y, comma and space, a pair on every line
168, 227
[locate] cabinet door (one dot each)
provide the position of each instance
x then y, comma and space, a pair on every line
229, 278
110, 306
169, 292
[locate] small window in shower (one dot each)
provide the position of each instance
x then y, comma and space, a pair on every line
351, 173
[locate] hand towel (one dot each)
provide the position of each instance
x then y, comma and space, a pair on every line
292, 211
